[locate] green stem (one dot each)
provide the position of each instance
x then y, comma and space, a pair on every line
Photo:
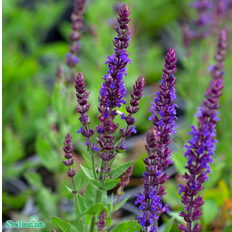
114, 206
93, 165
77, 204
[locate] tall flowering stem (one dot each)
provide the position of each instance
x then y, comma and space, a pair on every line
200, 148
68, 149
113, 92
77, 25
82, 96
157, 139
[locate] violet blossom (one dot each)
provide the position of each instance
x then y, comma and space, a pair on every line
157, 139
200, 149
68, 149
113, 91
77, 25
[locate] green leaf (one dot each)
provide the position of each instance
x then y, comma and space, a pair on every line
130, 226
34, 179
86, 171
47, 155
109, 184
104, 199
118, 206
108, 221
96, 209
210, 210
81, 201
89, 195
168, 225
58, 100
46, 202
63, 225
175, 214
70, 190
120, 169
87, 161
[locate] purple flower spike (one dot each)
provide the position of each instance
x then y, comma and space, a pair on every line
68, 149
136, 95
113, 89
201, 147
102, 222
77, 25
82, 97
157, 139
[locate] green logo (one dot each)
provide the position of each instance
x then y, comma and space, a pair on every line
33, 223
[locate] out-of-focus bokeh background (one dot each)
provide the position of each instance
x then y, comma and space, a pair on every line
39, 108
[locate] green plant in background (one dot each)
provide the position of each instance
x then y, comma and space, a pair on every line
36, 118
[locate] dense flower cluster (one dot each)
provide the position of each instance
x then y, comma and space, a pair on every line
113, 89
68, 149
136, 95
77, 25
102, 222
125, 180
82, 96
200, 148
158, 138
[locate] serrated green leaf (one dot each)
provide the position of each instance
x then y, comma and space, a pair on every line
87, 161
63, 225
104, 199
130, 226
109, 184
120, 169
89, 195
34, 179
168, 225
118, 206
81, 201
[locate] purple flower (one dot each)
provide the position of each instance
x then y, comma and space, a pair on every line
102, 221
68, 149
113, 89
157, 141
201, 147
77, 25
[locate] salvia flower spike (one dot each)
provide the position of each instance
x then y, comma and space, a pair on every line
82, 97
200, 148
102, 222
113, 89
68, 149
157, 139
77, 25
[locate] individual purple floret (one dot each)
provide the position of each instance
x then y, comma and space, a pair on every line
113, 89
82, 96
158, 138
102, 222
68, 149
200, 148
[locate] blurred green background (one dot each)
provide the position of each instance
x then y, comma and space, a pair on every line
39, 110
